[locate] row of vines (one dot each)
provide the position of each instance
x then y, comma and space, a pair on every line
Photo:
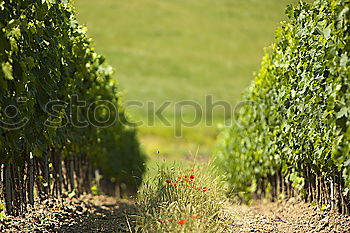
61, 118
292, 135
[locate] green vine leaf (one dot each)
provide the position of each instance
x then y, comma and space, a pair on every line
7, 70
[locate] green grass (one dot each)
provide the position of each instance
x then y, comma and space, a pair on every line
177, 193
181, 49
195, 140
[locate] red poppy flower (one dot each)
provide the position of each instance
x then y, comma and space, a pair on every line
168, 181
192, 177
194, 216
194, 187
205, 189
179, 178
192, 170
170, 219
174, 184
182, 222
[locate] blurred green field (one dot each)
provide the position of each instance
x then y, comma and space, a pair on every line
181, 50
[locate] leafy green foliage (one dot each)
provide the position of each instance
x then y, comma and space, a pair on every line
45, 56
297, 118
2, 213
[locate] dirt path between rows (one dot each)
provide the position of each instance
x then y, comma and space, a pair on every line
84, 214
106, 214
291, 216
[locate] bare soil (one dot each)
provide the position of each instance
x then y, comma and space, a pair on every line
84, 214
291, 216
106, 214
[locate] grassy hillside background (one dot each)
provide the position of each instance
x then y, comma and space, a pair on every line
181, 50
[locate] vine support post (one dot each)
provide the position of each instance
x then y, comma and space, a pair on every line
46, 175
71, 174
318, 188
8, 188
31, 179
60, 174
278, 185
333, 201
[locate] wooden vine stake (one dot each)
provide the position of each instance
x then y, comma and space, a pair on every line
31, 179
8, 188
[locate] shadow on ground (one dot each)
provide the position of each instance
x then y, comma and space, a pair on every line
84, 214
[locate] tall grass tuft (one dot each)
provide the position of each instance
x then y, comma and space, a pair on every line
179, 199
